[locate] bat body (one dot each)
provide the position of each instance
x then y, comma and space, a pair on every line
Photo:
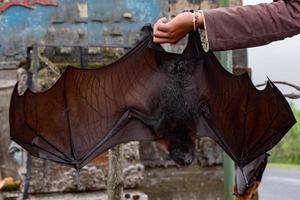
179, 97
150, 94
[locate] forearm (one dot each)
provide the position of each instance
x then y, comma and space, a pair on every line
248, 26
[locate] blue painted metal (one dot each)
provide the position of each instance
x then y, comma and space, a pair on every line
21, 27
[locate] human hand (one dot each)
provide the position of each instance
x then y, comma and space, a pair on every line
175, 29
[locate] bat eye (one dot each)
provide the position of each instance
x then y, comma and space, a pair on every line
178, 67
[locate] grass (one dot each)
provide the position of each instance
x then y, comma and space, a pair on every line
283, 165
288, 149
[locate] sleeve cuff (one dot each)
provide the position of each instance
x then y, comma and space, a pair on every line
203, 34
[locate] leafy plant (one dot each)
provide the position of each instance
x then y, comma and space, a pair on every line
288, 149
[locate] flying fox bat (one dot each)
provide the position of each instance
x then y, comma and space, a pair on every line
150, 94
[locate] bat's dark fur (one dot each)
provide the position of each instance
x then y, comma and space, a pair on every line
178, 99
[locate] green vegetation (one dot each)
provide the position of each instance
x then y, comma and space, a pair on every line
288, 149
283, 165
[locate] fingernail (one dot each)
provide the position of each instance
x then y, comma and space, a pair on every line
164, 20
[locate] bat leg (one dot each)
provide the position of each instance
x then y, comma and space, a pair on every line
180, 146
117, 127
154, 123
128, 115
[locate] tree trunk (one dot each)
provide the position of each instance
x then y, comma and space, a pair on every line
115, 173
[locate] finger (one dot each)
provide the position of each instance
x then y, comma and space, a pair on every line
162, 20
162, 40
162, 24
164, 27
161, 34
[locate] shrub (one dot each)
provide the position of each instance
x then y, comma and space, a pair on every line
288, 149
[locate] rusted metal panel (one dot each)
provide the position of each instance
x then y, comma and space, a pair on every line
26, 3
68, 22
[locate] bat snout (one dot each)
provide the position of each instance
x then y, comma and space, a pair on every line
183, 155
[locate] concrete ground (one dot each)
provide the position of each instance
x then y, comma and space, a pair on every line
128, 195
280, 184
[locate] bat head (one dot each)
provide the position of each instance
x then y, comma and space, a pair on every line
182, 147
182, 154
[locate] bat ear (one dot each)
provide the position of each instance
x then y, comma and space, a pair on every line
146, 30
194, 47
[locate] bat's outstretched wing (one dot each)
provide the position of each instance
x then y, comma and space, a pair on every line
244, 121
88, 111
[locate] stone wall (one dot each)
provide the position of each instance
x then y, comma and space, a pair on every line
49, 177
182, 183
8, 166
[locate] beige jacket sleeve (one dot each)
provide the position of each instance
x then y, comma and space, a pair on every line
249, 26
